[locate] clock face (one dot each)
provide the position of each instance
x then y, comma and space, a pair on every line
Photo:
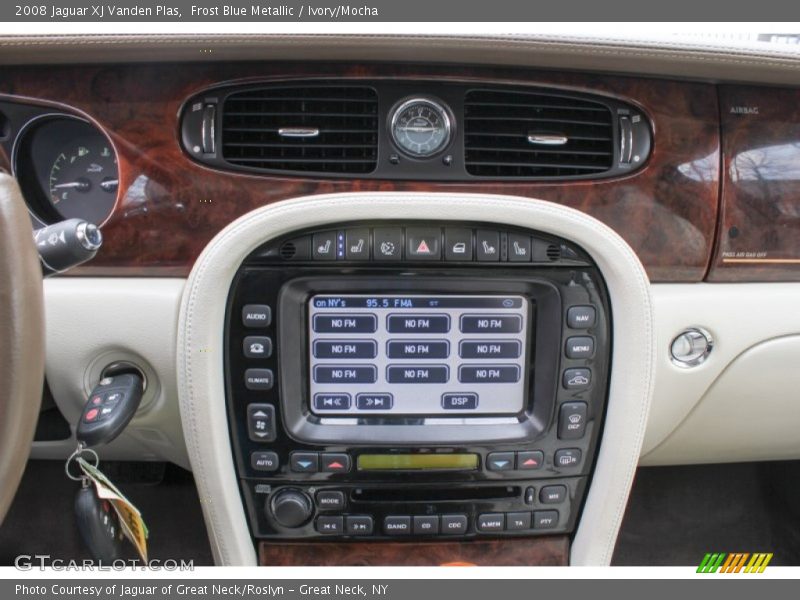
420, 127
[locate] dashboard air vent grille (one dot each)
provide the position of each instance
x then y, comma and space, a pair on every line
304, 128
536, 133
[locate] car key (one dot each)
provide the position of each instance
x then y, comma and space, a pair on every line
110, 408
99, 526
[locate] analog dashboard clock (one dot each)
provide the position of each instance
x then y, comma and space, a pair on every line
421, 127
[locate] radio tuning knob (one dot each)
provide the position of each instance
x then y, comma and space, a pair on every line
291, 508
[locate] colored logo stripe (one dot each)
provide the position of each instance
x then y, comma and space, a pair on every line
734, 562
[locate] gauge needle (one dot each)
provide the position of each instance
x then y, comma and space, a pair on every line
109, 184
419, 129
80, 185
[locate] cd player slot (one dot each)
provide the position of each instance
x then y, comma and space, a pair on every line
464, 494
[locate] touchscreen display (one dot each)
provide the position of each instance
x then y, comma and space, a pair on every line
373, 355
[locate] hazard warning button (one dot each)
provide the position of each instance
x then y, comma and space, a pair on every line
424, 243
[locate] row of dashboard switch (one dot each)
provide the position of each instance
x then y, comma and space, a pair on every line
314, 462
517, 521
532, 459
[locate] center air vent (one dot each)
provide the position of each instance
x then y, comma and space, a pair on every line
534, 133
305, 128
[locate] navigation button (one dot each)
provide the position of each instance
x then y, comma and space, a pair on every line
257, 346
331, 401
454, 524
500, 461
397, 525
530, 460
411, 323
261, 422
304, 462
493, 374
465, 401
417, 374
457, 244
581, 317
356, 244
491, 522
488, 245
519, 248
358, 525
259, 379
417, 350
256, 315
423, 243
345, 374
264, 461
387, 243
374, 401
491, 323
334, 463
580, 347
572, 420
324, 245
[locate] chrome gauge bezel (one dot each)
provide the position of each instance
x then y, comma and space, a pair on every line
444, 114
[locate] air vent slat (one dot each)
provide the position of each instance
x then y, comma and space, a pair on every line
336, 128
533, 133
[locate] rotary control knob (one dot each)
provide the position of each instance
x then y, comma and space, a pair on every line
291, 508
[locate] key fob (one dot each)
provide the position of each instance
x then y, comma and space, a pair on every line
110, 408
99, 526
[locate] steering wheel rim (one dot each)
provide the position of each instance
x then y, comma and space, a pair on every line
21, 339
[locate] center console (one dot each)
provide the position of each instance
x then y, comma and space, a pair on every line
398, 380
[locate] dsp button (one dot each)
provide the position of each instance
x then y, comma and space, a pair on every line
491, 522
397, 525
330, 462
466, 401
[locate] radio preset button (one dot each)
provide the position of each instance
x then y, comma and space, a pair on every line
580, 347
492, 374
491, 324
387, 243
572, 420
545, 519
417, 374
530, 460
490, 349
465, 401
581, 317
330, 525
397, 525
491, 522
553, 494
330, 500
344, 323
304, 462
345, 374
358, 525
454, 524
500, 461
257, 346
264, 461
410, 323
374, 401
577, 379
259, 379
567, 457
418, 350
261, 422
518, 521
345, 349
426, 525
334, 463
256, 315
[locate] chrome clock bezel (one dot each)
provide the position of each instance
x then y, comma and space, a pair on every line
437, 106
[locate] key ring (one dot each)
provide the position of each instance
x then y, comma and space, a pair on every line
78, 452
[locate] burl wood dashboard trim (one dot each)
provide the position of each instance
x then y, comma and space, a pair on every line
170, 206
759, 233
552, 551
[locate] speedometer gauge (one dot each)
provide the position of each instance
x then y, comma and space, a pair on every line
421, 127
